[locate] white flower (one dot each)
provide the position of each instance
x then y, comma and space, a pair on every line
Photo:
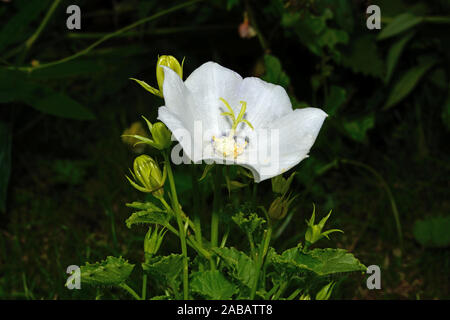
218, 116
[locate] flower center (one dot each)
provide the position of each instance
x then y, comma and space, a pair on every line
230, 145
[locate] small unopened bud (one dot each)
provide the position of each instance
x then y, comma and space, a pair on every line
279, 207
245, 30
280, 184
172, 63
147, 175
152, 241
161, 135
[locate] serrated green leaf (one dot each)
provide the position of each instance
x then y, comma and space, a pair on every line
433, 232
148, 216
111, 271
399, 24
144, 206
319, 261
313, 31
212, 285
165, 269
240, 265
407, 83
362, 56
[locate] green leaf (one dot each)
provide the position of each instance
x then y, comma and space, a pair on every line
148, 87
357, 129
335, 99
208, 167
274, 72
240, 265
362, 56
5, 162
16, 28
433, 232
394, 54
16, 86
112, 271
76, 68
407, 83
319, 261
399, 24
248, 223
212, 285
231, 4
144, 206
165, 269
313, 31
151, 216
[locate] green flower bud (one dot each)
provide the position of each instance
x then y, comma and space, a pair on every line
152, 241
170, 62
280, 184
161, 135
279, 207
147, 175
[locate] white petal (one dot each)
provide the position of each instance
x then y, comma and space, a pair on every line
208, 83
266, 102
287, 142
192, 145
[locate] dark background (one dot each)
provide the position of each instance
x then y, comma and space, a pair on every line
381, 161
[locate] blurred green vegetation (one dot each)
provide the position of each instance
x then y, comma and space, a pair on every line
381, 161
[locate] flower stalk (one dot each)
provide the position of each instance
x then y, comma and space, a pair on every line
178, 215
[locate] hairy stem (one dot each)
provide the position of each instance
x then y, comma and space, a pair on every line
130, 291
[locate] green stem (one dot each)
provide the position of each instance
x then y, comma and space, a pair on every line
280, 291
159, 31
294, 294
144, 286
182, 234
130, 291
171, 210
216, 208
111, 35
260, 259
41, 27
388, 192
196, 199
